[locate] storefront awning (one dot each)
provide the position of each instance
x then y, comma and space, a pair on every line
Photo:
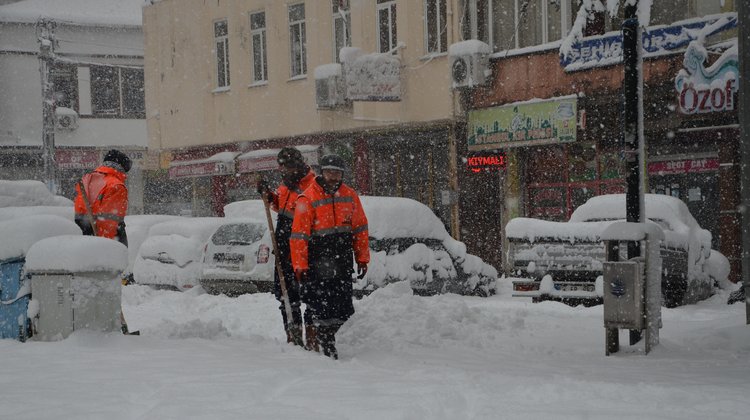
218, 164
265, 159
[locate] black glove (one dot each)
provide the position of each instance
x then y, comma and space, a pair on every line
262, 187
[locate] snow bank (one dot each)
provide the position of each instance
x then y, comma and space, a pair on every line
77, 254
20, 234
7, 213
28, 193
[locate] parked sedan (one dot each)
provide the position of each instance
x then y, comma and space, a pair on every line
170, 256
236, 257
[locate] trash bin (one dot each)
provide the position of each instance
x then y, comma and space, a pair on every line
76, 284
18, 235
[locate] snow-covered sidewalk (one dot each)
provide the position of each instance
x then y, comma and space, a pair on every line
402, 357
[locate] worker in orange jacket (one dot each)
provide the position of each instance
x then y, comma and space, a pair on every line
107, 196
329, 228
296, 177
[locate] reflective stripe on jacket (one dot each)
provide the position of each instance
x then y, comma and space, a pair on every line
108, 197
328, 226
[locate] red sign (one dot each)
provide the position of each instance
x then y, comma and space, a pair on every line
200, 169
257, 164
672, 167
703, 99
76, 159
486, 162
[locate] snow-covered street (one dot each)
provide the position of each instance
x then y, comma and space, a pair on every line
402, 357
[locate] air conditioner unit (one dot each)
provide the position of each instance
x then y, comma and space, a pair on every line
330, 90
470, 63
66, 119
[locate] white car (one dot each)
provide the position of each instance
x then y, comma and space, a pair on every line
570, 255
236, 257
170, 257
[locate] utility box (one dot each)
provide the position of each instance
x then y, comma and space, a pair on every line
76, 284
14, 301
623, 295
632, 287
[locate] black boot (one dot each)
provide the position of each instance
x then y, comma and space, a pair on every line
327, 339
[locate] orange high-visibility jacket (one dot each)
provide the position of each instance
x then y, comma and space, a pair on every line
319, 215
285, 198
108, 197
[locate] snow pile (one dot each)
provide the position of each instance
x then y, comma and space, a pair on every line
394, 217
89, 12
28, 193
77, 254
7, 213
20, 234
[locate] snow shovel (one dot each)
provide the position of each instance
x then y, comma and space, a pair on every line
282, 281
90, 214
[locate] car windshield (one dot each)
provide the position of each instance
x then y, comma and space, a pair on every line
238, 234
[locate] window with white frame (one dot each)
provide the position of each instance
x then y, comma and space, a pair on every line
436, 35
258, 36
387, 40
509, 24
117, 92
342, 27
297, 39
221, 44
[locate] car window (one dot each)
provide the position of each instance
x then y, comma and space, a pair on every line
238, 234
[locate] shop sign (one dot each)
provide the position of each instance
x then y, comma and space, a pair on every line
606, 50
486, 162
704, 89
373, 77
265, 159
688, 166
524, 124
77, 159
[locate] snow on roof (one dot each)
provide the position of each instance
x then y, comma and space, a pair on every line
253, 209
20, 234
327, 70
28, 193
225, 157
82, 12
198, 227
468, 47
77, 254
612, 206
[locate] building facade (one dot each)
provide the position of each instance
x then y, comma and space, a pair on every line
557, 119
97, 83
252, 76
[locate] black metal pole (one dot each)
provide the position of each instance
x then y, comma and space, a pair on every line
632, 87
743, 15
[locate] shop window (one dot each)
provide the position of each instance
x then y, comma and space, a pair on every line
297, 39
258, 35
548, 203
437, 34
117, 92
611, 166
579, 195
64, 80
221, 43
342, 27
387, 34
581, 162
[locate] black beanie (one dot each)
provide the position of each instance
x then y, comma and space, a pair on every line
119, 158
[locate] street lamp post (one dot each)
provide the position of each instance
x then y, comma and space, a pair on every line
45, 35
743, 15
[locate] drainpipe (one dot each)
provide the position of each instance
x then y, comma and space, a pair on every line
743, 16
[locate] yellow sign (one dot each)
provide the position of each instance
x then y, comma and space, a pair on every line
523, 124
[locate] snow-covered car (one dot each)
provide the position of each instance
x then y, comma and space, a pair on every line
236, 257
170, 256
137, 226
408, 242
564, 260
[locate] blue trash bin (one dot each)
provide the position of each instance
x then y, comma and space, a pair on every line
14, 301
